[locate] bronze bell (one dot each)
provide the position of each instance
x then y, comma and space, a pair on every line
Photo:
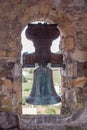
43, 92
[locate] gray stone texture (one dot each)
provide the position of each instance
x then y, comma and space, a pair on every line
71, 16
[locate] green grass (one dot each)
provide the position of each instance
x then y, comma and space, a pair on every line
57, 77
24, 100
26, 86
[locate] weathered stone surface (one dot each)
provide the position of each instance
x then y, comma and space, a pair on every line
8, 120
70, 70
9, 59
18, 89
15, 2
79, 82
71, 17
7, 91
85, 90
62, 44
82, 69
7, 102
17, 70
59, 124
66, 28
11, 53
69, 43
8, 83
44, 11
77, 100
80, 42
34, 10
80, 98
79, 3
2, 53
83, 73
53, 11
80, 56
25, 15
70, 96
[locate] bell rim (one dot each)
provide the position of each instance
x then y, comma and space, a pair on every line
41, 100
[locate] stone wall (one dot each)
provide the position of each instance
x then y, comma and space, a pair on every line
71, 17
10, 86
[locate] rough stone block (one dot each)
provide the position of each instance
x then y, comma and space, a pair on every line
25, 15
69, 43
82, 73
82, 69
63, 72
79, 3
67, 30
11, 53
8, 84
81, 37
70, 70
18, 89
62, 44
7, 102
34, 11
15, 2
79, 82
53, 11
70, 96
80, 56
17, 70
44, 11
2, 53
85, 90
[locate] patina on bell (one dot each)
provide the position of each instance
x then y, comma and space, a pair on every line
43, 92
42, 35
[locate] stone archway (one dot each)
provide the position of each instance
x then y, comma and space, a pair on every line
66, 28
15, 17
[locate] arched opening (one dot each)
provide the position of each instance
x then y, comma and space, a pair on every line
27, 80
71, 18
54, 15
